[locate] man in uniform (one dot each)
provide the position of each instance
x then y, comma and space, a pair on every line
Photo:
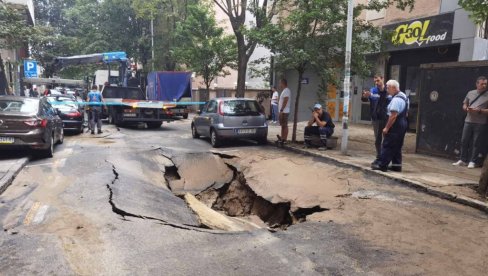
394, 131
95, 100
324, 127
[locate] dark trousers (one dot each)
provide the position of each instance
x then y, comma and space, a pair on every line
472, 138
378, 126
391, 150
323, 132
95, 120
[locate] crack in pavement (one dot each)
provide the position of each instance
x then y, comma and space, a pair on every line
125, 214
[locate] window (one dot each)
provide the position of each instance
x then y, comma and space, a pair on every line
16, 106
241, 108
212, 107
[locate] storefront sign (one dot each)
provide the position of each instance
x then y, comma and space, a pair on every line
419, 33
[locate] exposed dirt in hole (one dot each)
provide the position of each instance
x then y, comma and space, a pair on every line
237, 199
171, 173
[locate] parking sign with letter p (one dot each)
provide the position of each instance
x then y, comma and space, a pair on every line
30, 68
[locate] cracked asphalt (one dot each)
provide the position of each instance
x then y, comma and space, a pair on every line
102, 206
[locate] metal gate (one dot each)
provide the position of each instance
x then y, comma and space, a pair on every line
443, 87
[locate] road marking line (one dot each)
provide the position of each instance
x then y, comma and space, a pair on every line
40, 214
30, 215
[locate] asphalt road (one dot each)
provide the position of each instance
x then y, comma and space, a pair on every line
102, 206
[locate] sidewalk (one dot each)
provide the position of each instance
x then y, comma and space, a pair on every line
9, 168
434, 175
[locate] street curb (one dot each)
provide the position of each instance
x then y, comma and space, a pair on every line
419, 186
9, 177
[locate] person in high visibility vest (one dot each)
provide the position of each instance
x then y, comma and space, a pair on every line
95, 102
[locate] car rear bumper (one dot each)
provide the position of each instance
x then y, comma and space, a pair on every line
35, 139
232, 133
72, 124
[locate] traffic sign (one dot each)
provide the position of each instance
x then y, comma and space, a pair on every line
30, 68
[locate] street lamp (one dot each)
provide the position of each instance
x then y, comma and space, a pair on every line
347, 78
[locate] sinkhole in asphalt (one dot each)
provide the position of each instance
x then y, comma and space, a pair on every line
236, 199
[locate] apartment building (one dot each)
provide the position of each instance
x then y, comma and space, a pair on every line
434, 31
12, 58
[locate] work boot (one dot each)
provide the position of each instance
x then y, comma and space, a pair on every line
92, 132
395, 168
377, 167
100, 131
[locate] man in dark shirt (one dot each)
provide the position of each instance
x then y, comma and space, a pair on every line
379, 100
324, 127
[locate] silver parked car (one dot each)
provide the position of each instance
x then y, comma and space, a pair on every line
231, 118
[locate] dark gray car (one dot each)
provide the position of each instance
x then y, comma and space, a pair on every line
31, 123
231, 118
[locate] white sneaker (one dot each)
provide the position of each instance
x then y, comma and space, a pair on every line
459, 163
471, 165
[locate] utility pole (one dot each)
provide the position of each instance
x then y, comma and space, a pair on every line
152, 43
347, 78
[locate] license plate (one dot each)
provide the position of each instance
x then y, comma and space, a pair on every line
178, 111
130, 115
7, 140
246, 131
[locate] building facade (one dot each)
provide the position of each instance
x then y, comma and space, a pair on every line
13, 58
435, 31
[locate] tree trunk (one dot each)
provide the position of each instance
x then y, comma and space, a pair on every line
297, 103
483, 187
3, 78
241, 66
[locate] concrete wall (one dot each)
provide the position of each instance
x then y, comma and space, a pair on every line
308, 95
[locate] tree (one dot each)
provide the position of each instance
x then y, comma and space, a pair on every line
166, 15
263, 12
202, 45
479, 13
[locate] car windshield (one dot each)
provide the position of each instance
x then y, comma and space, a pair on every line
241, 108
18, 106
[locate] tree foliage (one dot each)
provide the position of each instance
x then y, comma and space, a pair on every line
166, 15
202, 45
478, 10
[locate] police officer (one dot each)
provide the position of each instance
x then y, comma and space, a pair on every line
394, 131
95, 100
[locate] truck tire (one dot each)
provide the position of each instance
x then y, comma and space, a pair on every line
154, 125
185, 116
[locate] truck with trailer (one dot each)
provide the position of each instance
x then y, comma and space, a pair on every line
125, 103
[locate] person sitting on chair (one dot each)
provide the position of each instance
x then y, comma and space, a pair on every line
324, 127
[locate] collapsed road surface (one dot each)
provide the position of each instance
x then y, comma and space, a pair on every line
157, 202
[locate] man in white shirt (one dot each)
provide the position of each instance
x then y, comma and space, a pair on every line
284, 107
274, 105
